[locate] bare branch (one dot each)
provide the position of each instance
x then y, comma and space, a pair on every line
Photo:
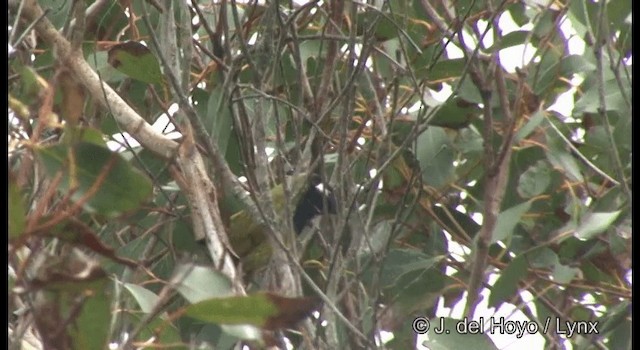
496, 177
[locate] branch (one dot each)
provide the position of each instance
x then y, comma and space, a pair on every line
205, 212
200, 190
101, 92
77, 34
496, 177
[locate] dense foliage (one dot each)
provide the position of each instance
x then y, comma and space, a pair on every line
465, 152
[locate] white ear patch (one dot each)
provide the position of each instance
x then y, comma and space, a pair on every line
323, 189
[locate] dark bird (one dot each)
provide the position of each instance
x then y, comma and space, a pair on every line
248, 238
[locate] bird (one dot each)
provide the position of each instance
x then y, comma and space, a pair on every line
312, 203
247, 236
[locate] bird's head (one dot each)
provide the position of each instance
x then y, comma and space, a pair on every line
318, 198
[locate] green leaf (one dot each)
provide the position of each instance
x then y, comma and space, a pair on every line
436, 156
91, 327
32, 83
98, 60
457, 334
137, 94
623, 137
267, 110
468, 8
544, 24
201, 283
455, 114
621, 337
311, 49
403, 261
443, 70
119, 187
82, 133
548, 70
380, 236
564, 274
507, 221
595, 223
253, 310
136, 61
58, 11
615, 316
451, 217
617, 12
157, 328
265, 310
197, 283
417, 290
218, 119
517, 12
404, 335
149, 163
388, 26
400, 262
560, 158
579, 14
614, 101
534, 180
574, 64
211, 333
108, 23
518, 37
507, 284
530, 126
542, 258
17, 211
145, 298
